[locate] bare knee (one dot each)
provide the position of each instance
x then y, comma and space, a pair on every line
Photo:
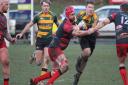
4, 58
5, 62
64, 69
39, 57
64, 66
86, 53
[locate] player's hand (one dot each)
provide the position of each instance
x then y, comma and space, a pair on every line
18, 36
76, 27
13, 40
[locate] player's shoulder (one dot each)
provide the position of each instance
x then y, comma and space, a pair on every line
81, 13
52, 13
95, 15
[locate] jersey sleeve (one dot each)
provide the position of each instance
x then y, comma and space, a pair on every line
95, 16
36, 18
56, 20
112, 17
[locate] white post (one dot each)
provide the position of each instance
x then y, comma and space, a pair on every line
32, 30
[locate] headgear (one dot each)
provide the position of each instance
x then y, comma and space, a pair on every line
69, 10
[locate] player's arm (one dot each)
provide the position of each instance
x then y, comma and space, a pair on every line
96, 28
91, 30
76, 31
100, 25
8, 37
27, 27
56, 21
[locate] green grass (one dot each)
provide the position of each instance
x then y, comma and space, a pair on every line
102, 67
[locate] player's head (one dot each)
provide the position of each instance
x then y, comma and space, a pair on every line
45, 4
90, 8
70, 13
124, 7
4, 5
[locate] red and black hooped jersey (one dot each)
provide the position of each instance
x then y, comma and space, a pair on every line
3, 26
121, 26
63, 35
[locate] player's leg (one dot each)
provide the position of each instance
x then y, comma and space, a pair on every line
82, 59
87, 45
44, 76
45, 61
37, 56
59, 68
5, 65
81, 63
121, 52
62, 68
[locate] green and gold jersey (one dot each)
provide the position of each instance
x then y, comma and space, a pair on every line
45, 24
89, 20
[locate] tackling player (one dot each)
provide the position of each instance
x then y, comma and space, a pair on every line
55, 51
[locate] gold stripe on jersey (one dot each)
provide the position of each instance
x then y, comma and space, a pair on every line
45, 21
40, 34
45, 27
46, 15
89, 17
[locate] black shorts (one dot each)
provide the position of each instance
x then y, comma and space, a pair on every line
88, 42
41, 43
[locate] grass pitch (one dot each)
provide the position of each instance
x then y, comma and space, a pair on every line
102, 67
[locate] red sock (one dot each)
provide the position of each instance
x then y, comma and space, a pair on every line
42, 77
6, 81
123, 74
54, 77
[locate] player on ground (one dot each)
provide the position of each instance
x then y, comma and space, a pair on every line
44, 21
4, 4
55, 51
87, 43
121, 23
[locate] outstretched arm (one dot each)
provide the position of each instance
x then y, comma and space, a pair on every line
27, 27
8, 37
97, 27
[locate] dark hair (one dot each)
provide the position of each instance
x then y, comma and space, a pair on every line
124, 7
90, 2
47, 1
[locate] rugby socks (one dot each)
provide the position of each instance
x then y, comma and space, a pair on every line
6, 81
42, 77
123, 74
43, 71
56, 74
